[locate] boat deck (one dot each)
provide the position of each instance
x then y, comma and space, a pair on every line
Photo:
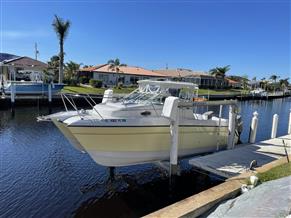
233, 162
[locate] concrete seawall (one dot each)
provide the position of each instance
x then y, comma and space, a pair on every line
202, 202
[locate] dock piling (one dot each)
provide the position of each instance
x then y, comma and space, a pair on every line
50, 93
253, 128
289, 125
274, 126
171, 111
50, 97
231, 127
12, 98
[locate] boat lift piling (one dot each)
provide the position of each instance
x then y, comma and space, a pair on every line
171, 111
274, 126
12, 98
50, 97
253, 128
289, 125
231, 127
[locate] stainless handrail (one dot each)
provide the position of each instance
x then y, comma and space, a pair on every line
69, 98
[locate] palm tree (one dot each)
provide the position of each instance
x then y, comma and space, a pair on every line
245, 81
219, 72
52, 70
71, 69
61, 28
274, 77
115, 66
284, 83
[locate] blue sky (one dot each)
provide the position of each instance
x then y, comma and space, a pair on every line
251, 36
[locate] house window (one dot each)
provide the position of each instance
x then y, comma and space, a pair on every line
134, 79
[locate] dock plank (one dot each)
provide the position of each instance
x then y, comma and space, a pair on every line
230, 163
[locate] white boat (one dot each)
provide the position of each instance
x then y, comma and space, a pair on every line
31, 82
132, 131
259, 92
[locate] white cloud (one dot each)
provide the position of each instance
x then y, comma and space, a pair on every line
17, 34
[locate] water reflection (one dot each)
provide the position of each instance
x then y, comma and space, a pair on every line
43, 176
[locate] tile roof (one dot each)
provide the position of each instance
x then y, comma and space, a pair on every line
25, 62
90, 69
231, 81
129, 70
180, 72
6, 56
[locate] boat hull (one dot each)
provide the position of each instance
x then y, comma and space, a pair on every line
33, 88
123, 146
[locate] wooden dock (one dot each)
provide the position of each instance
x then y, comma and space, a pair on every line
230, 163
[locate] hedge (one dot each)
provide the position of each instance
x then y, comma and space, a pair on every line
95, 83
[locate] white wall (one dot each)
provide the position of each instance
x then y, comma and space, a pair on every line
110, 79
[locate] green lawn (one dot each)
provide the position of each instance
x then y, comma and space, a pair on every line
222, 91
89, 90
275, 173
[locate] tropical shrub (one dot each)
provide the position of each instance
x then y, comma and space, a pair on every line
84, 80
95, 83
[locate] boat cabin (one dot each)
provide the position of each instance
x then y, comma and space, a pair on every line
157, 91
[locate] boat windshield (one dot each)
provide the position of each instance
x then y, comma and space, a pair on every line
156, 95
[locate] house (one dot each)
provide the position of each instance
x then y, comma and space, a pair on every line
88, 71
12, 69
175, 74
6, 56
202, 79
234, 84
127, 75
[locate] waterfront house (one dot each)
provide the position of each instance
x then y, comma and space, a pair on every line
234, 84
127, 75
202, 79
12, 66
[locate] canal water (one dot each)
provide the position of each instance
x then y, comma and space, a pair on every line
41, 175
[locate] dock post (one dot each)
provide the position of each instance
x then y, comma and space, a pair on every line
274, 126
289, 125
12, 98
49, 97
49, 93
231, 127
253, 128
171, 111
174, 129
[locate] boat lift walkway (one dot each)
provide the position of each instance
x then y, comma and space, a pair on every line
230, 163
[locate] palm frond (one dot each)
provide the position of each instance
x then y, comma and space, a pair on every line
61, 27
111, 61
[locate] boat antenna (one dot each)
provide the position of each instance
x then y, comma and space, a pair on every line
36, 51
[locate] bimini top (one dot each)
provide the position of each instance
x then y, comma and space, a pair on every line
168, 84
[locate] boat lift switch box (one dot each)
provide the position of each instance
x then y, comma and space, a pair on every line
170, 108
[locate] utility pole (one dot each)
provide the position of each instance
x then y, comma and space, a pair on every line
36, 51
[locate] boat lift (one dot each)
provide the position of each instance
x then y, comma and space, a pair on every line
171, 109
